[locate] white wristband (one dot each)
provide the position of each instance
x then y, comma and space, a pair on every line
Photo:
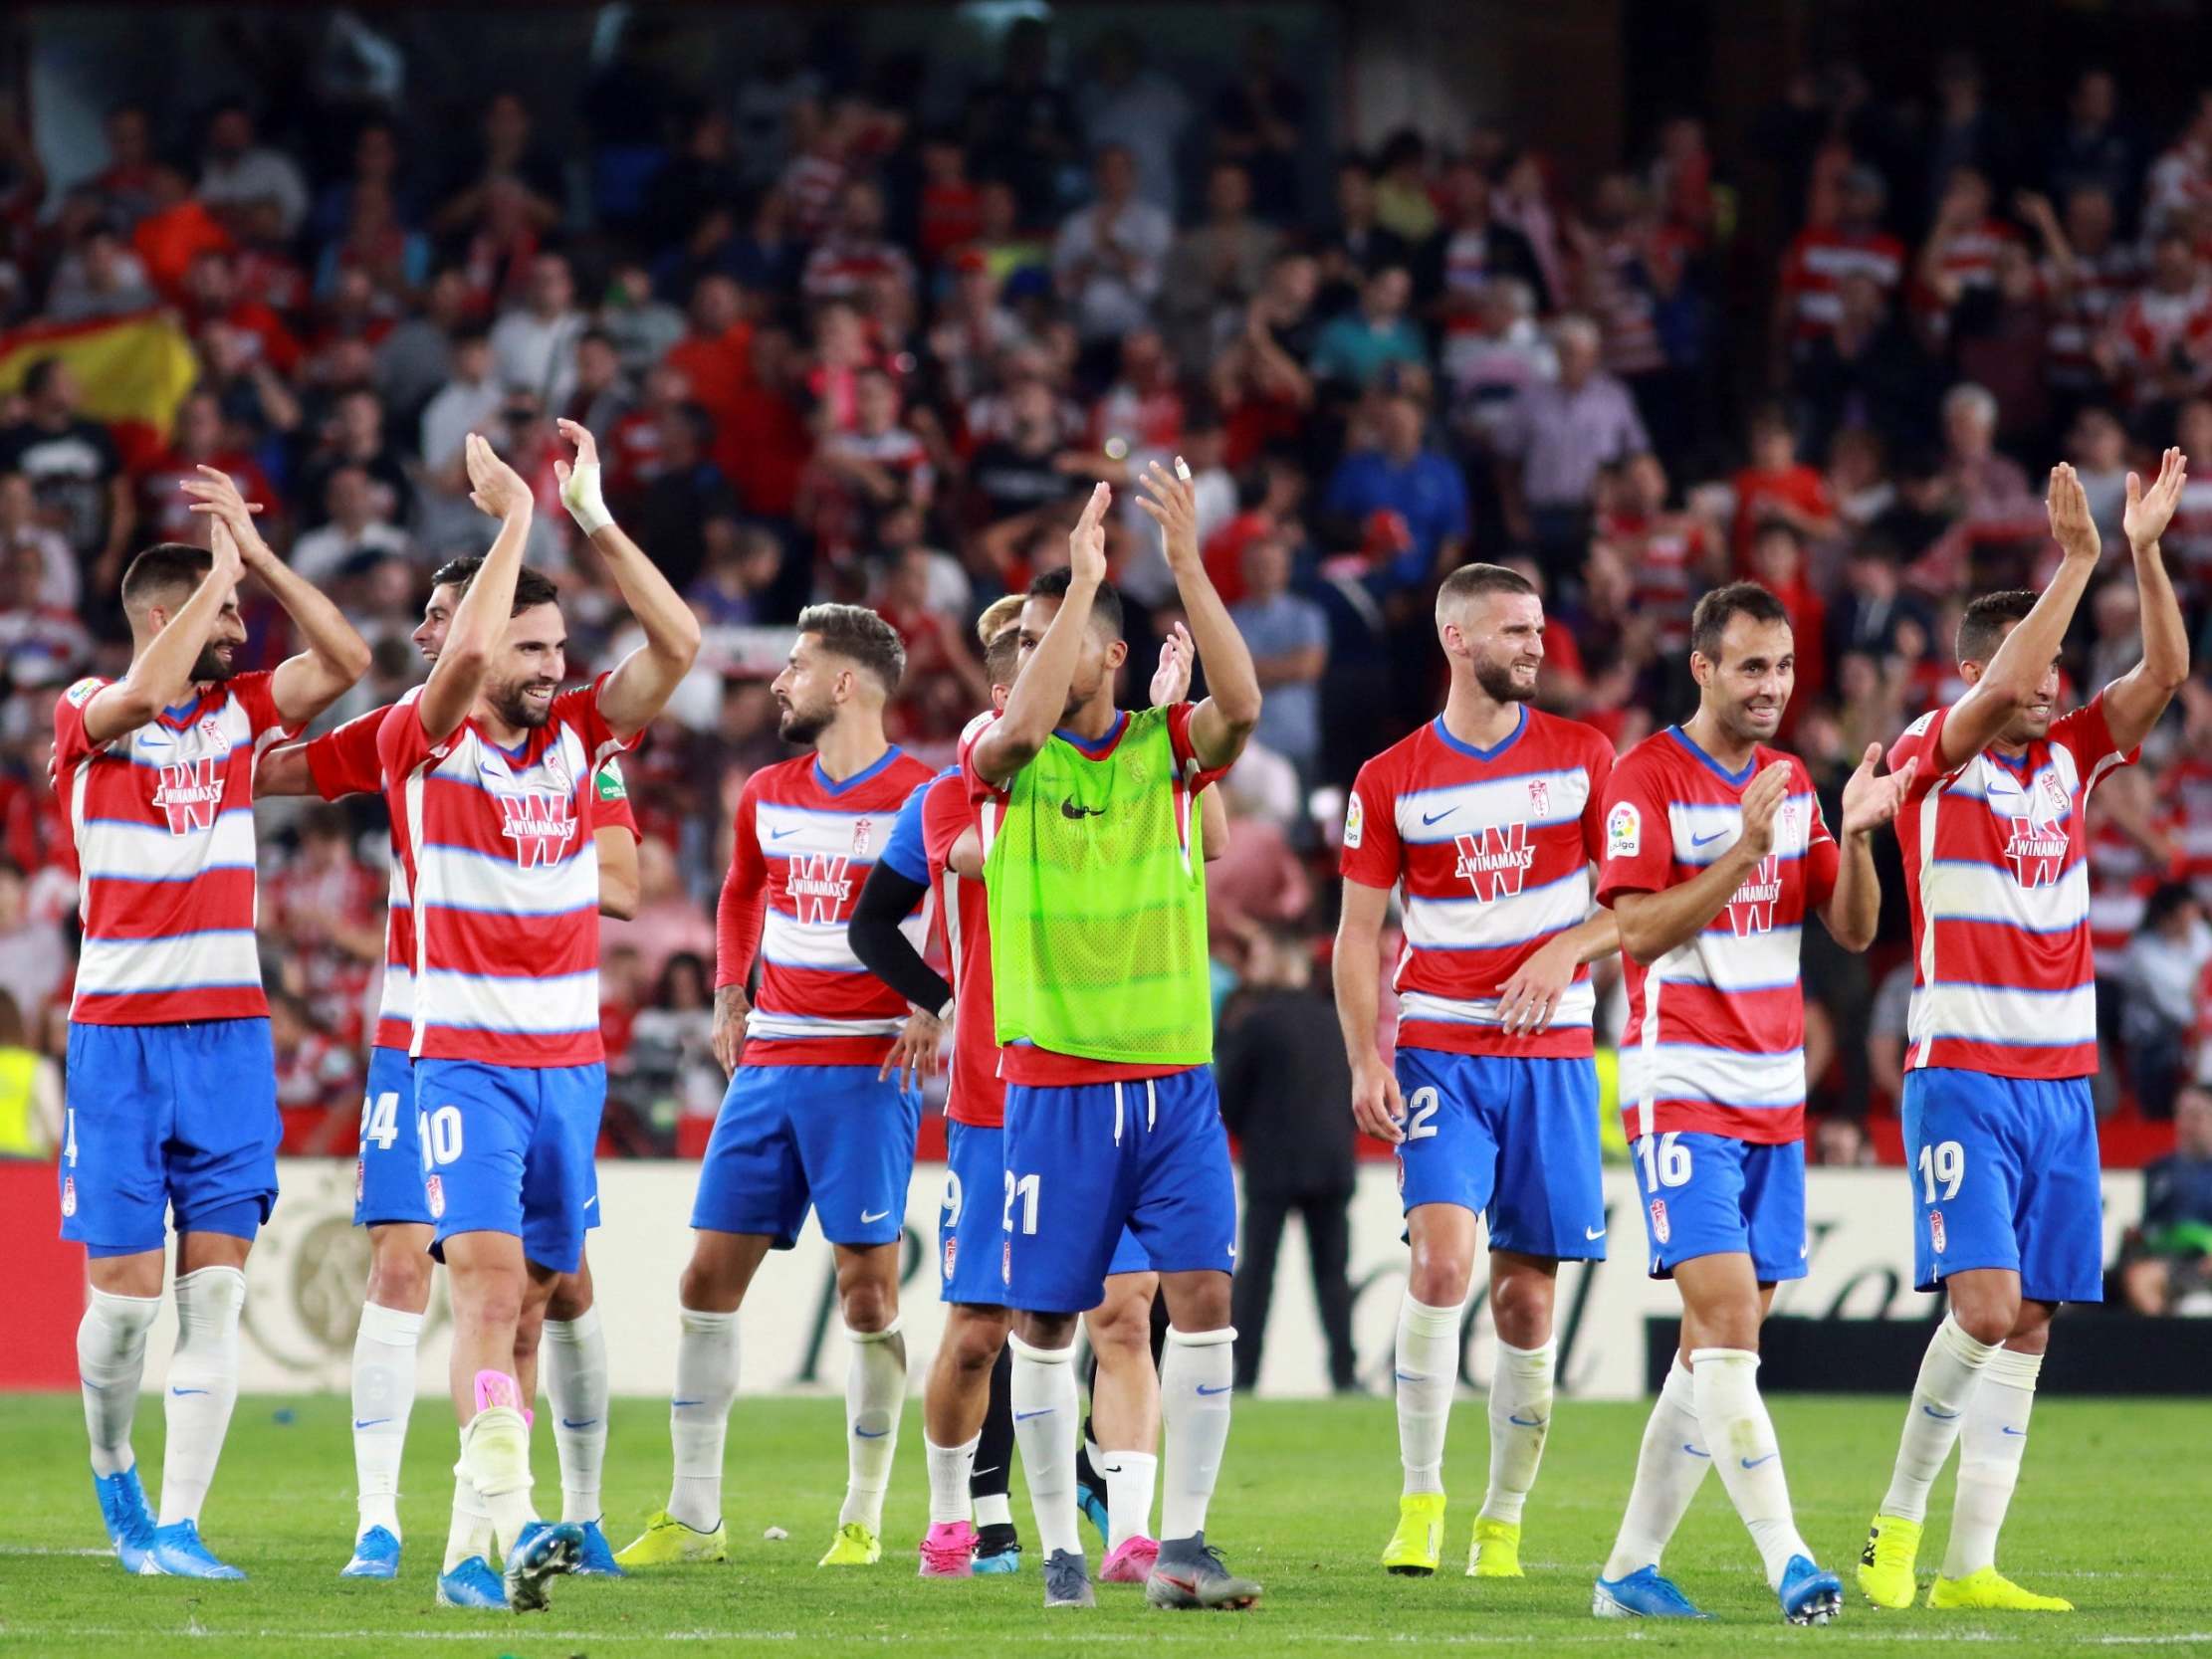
580, 496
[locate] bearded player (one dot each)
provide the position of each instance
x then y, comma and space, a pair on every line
1716, 853
814, 1118
388, 1198
1999, 1128
1488, 820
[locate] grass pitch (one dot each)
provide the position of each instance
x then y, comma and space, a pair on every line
2112, 1511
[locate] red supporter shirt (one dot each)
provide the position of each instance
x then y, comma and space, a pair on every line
163, 823
1491, 850
1996, 858
497, 856
1039, 1068
1715, 1037
802, 849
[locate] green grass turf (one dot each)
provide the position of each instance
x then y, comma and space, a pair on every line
2112, 1511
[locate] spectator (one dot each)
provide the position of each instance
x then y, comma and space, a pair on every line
1417, 486
1357, 245
1777, 484
1289, 641
21, 532
236, 171
950, 212
353, 436
1283, 1082
1561, 434
1022, 126
667, 924
1404, 204
1136, 110
416, 357
508, 173
1217, 268
2167, 1263
686, 491
1841, 1143
1979, 479
533, 346
853, 258
466, 403
2089, 272
600, 396
2091, 150
1358, 348
1471, 247
737, 575
353, 534
126, 184
1108, 258
2157, 347
75, 470
98, 277
671, 1038
2164, 964
1809, 300
1259, 121
31, 1112
1673, 556
716, 356
34, 959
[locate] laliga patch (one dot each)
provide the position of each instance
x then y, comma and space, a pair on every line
433, 1193
1354, 821
1661, 1229
1936, 1230
83, 693
1624, 831
69, 1194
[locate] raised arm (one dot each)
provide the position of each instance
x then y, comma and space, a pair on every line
641, 684
1039, 693
1652, 924
165, 667
480, 620
2010, 678
1221, 725
335, 656
2134, 701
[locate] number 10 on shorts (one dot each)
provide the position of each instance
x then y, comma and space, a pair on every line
441, 1135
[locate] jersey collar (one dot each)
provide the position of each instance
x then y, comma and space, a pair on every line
1491, 753
1735, 780
831, 787
1096, 748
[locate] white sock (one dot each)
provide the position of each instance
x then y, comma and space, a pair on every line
575, 1354
1992, 1440
876, 1389
1949, 1371
699, 1414
495, 1452
383, 1395
1427, 1374
950, 1467
1197, 1372
1520, 1418
993, 1510
203, 1386
110, 1365
1130, 1479
1042, 1389
470, 1533
1740, 1436
1670, 1468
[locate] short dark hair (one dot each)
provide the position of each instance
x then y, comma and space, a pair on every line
1002, 656
856, 632
162, 570
1476, 581
1710, 621
531, 587
1982, 629
1105, 604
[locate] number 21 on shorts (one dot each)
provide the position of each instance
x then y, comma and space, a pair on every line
1023, 1192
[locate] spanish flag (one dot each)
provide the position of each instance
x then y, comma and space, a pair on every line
134, 372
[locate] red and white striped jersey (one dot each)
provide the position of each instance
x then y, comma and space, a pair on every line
841, 268
2123, 876
1814, 268
163, 822
2150, 327
498, 854
802, 849
2100, 284
1997, 884
1669, 552
1716, 1035
1969, 259
1490, 850
2188, 801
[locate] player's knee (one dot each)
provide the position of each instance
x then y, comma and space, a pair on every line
400, 1279
1121, 1327
706, 1289
1520, 1311
1438, 1276
973, 1347
1986, 1314
868, 1305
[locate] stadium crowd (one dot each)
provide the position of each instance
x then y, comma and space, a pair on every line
836, 347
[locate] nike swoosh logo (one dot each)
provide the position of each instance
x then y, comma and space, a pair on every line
180, 1392
1700, 840
867, 1435
593, 1200
865, 1217
977, 1474
1693, 1451
1939, 1416
1427, 818
1592, 1232
2021, 1432
1754, 1462
1188, 1587
1223, 1390
687, 1402
1408, 1376
1025, 1417
1526, 1423
570, 1422
370, 1422
777, 835
1078, 812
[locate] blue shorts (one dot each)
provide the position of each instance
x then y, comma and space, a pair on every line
387, 1175
2004, 1173
168, 1120
1085, 1161
1516, 1140
835, 1136
1710, 1195
509, 1149
970, 1236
